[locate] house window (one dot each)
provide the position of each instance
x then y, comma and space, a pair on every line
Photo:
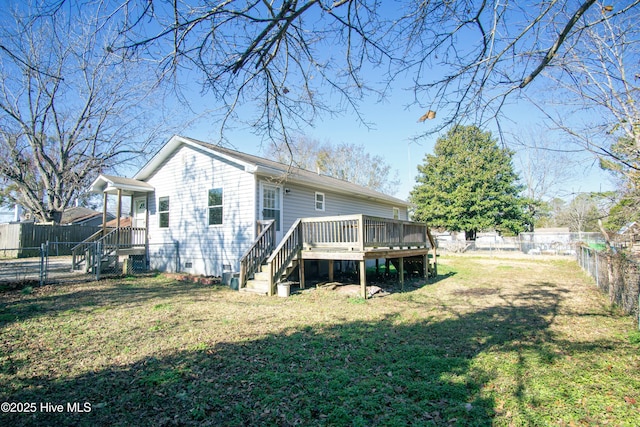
396, 213
215, 206
163, 211
319, 201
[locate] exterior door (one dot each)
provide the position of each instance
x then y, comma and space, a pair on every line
140, 212
271, 206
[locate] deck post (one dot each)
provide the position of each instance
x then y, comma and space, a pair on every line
387, 265
425, 266
331, 270
401, 272
272, 282
363, 279
301, 271
300, 258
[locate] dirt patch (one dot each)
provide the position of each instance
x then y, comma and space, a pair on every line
351, 289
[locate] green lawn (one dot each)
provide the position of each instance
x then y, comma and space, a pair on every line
492, 342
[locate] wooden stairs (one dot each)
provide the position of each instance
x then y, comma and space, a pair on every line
259, 284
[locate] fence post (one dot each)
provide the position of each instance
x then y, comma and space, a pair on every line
97, 256
43, 269
597, 277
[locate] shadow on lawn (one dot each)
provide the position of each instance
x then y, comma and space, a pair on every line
355, 374
93, 296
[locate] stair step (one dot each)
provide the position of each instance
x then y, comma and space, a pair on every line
258, 284
261, 276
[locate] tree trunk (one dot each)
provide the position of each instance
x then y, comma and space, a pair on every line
470, 235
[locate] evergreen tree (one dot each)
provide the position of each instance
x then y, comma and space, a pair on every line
469, 185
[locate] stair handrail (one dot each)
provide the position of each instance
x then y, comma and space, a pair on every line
259, 251
283, 254
78, 251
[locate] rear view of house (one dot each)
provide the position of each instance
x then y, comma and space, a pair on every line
202, 206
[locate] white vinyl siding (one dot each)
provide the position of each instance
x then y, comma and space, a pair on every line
186, 177
299, 202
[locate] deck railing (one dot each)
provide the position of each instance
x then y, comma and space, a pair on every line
261, 249
360, 232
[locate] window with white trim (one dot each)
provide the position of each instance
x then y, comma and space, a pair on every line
163, 212
319, 201
215, 206
396, 213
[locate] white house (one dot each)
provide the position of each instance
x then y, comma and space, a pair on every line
208, 202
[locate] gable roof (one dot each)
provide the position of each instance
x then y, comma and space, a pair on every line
267, 168
111, 184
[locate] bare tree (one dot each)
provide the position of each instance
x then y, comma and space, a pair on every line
348, 162
597, 83
69, 109
581, 214
291, 58
544, 169
302, 153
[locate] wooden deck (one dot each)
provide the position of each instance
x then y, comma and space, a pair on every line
350, 238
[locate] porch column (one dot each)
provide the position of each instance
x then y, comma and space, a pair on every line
104, 213
363, 279
119, 208
118, 213
146, 230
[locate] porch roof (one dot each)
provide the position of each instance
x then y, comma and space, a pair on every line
111, 184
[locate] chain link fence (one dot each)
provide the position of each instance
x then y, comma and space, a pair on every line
527, 243
53, 264
616, 275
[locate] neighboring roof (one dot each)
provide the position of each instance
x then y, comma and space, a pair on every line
111, 184
78, 214
629, 227
265, 167
124, 222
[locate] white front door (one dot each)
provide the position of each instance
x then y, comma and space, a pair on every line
271, 206
140, 212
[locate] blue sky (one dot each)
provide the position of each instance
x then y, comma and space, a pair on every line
394, 125
391, 136
393, 128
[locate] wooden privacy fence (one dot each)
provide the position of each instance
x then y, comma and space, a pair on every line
23, 240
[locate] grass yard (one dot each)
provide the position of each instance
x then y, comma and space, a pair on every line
492, 342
